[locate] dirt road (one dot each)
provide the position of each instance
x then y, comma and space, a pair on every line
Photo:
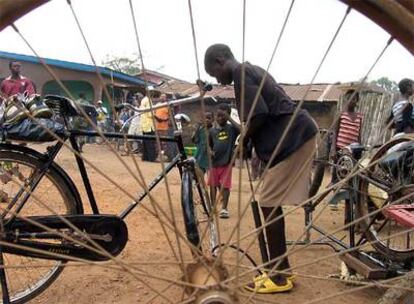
148, 254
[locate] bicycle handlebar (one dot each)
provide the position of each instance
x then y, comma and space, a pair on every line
159, 105
203, 86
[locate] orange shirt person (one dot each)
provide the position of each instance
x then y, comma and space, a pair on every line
162, 117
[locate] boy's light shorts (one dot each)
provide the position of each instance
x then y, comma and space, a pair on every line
288, 182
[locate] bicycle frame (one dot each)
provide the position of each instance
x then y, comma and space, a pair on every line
177, 161
53, 151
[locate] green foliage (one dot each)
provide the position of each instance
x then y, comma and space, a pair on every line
387, 84
125, 65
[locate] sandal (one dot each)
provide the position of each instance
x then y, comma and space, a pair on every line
289, 276
262, 284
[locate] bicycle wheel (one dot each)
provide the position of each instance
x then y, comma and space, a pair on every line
28, 279
199, 218
390, 182
194, 232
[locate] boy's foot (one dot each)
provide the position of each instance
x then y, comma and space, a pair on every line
263, 284
288, 275
224, 214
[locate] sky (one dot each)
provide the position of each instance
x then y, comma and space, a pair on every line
165, 34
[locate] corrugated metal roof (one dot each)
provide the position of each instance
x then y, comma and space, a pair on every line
186, 88
318, 92
314, 92
157, 77
73, 66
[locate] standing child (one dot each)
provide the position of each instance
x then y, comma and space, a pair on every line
221, 141
348, 129
200, 139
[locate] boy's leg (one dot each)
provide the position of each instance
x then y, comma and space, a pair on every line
225, 182
276, 241
226, 196
224, 213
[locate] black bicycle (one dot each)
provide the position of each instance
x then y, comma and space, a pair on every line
43, 214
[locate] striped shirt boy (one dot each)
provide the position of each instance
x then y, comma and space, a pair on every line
349, 130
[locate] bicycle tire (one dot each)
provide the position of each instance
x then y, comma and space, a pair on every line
70, 199
207, 228
194, 194
318, 172
320, 163
363, 203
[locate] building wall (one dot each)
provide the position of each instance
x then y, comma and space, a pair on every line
40, 76
322, 112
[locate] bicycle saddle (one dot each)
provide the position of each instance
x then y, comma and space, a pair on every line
61, 105
356, 150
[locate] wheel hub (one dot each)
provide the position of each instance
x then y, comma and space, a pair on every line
209, 274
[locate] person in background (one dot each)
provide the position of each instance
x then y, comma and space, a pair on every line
102, 115
199, 138
16, 83
123, 116
348, 129
162, 124
135, 126
221, 141
402, 111
147, 128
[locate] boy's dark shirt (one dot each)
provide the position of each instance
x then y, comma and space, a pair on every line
271, 115
221, 140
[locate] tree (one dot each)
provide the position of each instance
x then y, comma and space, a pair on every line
125, 65
388, 85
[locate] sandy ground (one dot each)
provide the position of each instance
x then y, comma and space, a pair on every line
148, 253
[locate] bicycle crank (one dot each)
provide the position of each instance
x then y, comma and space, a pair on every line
90, 237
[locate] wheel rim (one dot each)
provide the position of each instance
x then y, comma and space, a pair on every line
32, 274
